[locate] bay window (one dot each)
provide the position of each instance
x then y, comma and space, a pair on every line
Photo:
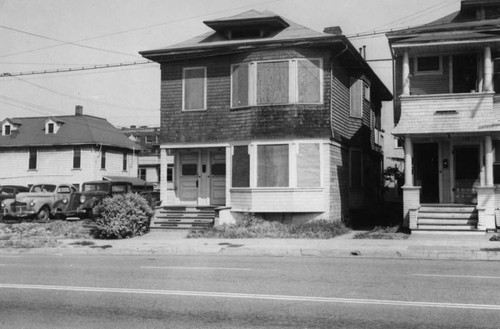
291, 81
288, 165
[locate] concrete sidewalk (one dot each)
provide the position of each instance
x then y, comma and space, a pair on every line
460, 247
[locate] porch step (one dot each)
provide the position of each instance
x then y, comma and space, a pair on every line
447, 218
183, 217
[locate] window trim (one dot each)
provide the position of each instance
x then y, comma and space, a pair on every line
416, 71
184, 69
293, 82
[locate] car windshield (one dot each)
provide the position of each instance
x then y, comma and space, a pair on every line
43, 188
103, 187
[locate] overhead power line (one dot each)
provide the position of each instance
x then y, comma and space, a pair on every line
75, 69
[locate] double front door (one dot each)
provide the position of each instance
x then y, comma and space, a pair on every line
202, 177
447, 174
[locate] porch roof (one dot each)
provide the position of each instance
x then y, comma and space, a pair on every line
443, 119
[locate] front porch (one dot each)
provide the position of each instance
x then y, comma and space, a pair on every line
451, 184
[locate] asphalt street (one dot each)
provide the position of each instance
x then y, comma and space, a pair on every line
96, 291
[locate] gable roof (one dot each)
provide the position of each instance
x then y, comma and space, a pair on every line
284, 33
76, 130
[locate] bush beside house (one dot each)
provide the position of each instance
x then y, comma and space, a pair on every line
122, 216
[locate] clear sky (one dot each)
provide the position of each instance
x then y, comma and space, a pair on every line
42, 35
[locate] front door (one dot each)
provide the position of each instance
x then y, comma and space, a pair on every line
218, 178
427, 171
188, 178
466, 173
202, 177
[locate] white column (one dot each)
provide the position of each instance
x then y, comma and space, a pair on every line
488, 152
406, 73
488, 70
408, 162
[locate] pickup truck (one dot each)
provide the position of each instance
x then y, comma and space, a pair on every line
81, 204
37, 203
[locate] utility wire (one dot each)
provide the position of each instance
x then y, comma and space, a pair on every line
65, 42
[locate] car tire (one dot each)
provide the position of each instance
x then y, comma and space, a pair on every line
43, 214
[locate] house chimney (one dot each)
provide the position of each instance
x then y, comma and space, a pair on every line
78, 110
335, 30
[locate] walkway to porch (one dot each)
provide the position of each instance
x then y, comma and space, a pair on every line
453, 218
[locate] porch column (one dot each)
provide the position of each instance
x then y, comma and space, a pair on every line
408, 162
411, 194
488, 155
406, 73
488, 70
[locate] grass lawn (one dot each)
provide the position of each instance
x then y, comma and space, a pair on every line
39, 235
252, 227
386, 233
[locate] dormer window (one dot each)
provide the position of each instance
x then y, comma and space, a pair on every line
52, 126
6, 130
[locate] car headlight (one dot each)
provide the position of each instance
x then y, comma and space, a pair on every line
32, 203
2, 205
65, 201
82, 199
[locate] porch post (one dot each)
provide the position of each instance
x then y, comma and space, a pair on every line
488, 70
406, 73
163, 176
488, 152
408, 162
411, 194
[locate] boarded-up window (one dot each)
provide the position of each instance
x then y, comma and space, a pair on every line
194, 88
241, 167
356, 169
240, 85
309, 81
308, 166
272, 166
272, 82
356, 96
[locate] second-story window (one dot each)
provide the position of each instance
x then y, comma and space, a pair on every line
32, 158
194, 88
7, 130
77, 157
50, 128
291, 81
428, 65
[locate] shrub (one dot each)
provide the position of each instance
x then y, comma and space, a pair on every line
122, 216
254, 227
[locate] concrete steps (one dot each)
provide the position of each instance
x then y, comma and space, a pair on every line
447, 218
182, 217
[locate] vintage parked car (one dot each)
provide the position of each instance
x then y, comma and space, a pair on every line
37, 203
10, 191
82, 203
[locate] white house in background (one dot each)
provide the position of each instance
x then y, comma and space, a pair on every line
63, 149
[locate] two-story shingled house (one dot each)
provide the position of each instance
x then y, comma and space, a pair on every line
68, 149
448, 113
266, 116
